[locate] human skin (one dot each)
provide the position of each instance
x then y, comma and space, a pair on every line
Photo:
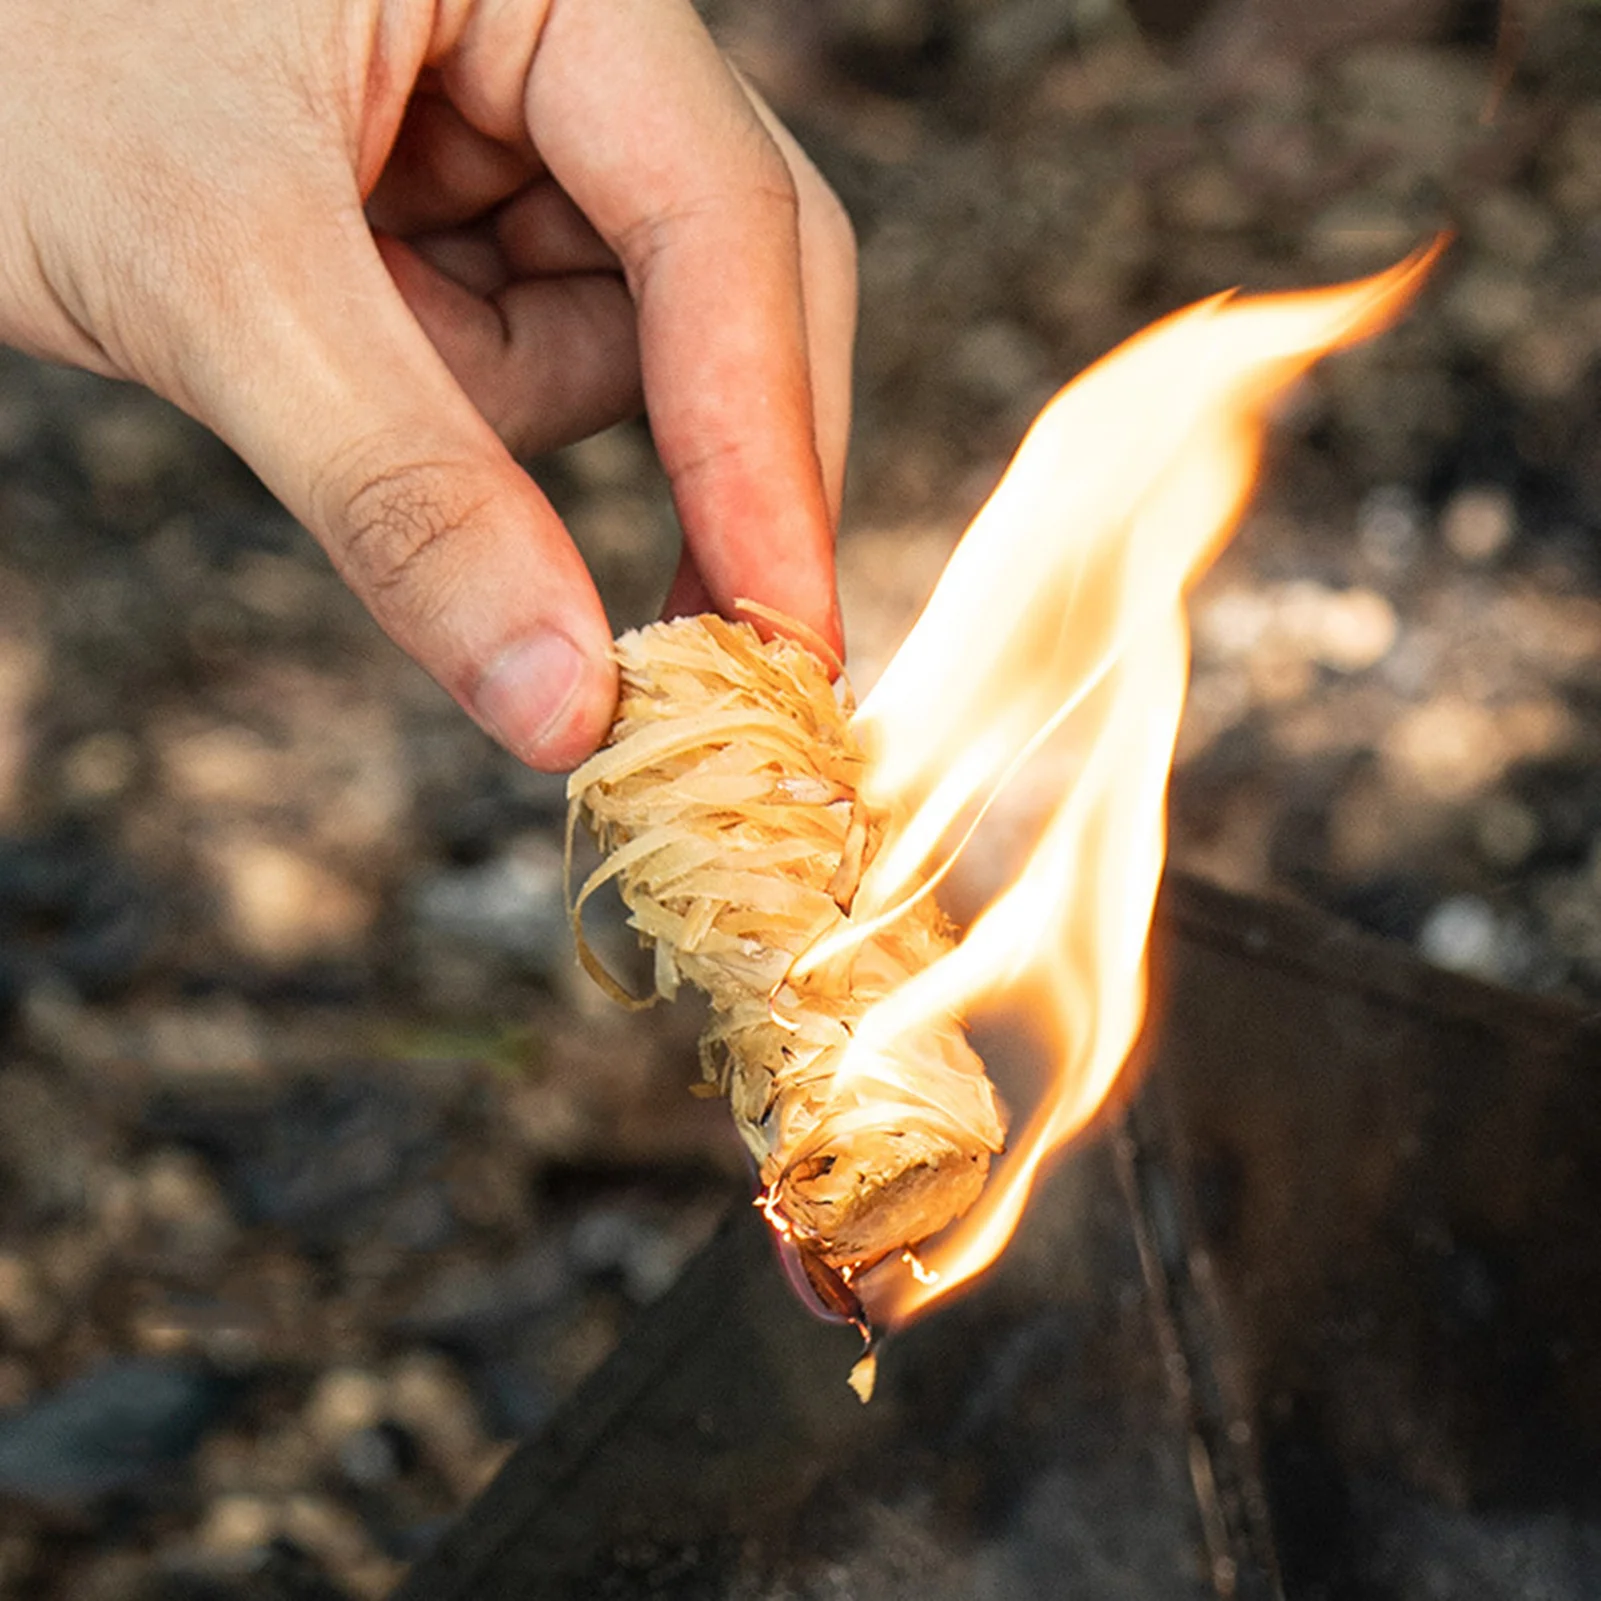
377, 247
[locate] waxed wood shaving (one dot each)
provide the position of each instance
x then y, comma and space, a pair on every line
725, 808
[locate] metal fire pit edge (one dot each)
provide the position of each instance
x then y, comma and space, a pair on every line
1311, 1312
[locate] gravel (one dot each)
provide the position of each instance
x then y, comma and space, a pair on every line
322, 1174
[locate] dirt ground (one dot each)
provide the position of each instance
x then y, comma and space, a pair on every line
323, 1173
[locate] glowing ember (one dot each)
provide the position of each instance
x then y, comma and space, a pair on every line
1060, 619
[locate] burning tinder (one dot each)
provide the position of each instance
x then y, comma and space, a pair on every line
780, 848
727, 807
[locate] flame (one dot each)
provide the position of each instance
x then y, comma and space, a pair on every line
1060, 618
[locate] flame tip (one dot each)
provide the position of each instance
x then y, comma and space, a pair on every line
1057, 633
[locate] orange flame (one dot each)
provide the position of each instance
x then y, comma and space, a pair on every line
1060, 617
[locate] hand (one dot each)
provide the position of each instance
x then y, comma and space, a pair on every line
362, 239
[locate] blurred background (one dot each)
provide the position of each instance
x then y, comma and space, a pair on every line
323, 1174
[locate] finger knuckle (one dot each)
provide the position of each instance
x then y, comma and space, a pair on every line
772, 178
755, 196
395, 525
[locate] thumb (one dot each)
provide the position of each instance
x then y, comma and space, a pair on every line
318, 375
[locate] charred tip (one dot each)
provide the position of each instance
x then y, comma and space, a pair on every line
833, 1291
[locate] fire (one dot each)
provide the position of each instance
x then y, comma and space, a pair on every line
1060, 619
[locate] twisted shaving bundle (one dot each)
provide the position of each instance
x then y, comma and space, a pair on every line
725, 807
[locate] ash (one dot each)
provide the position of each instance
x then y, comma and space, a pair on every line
322, 1176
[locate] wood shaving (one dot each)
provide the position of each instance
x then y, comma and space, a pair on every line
725, 808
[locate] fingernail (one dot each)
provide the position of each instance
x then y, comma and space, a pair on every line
527, 695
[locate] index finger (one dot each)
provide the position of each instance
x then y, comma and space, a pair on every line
641, 121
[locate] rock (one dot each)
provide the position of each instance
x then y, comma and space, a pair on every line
282, 1459
218, 764
237, 1523
616, 1240
330, 1533
429, 1397
1230, 622
1488, 304
22, 678
21, 418
326, 1156
506, 802
281, 1572
1420, 106
1452, 747
16, 1390
1447, 748
285, 907
1479, 523
98, 768
108, 1432
1575, 162
1463, 935
512, 905
374, 1456
1209, 198
1513, 228
183, 1205
72, 1258
517, 1395
213, 1039
1347, 630
111, 1576
1410, 670
1280, 630
1280, 672
131, 442
18, 1563
1572, 909
68, 909
1219, 699
330, 1156
280, 587
299, 737
344, 1401
1547, 362
998, 363
420, 1219
47, 1149
1389, 528
875, 35
1506, 831
476, 1305
1006, 41
29, 1314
